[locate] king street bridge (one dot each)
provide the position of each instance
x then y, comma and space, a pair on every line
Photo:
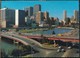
65, 39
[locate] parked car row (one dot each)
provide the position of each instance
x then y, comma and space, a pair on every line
73, 45
60, 49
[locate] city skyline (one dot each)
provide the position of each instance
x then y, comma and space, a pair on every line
57, 11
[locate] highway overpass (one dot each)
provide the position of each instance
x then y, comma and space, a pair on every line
65, 39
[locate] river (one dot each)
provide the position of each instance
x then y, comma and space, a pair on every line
56, 30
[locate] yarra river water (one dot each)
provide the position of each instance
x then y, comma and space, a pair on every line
7, 47
56, 30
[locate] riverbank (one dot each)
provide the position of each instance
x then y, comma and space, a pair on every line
72, 33
32, 30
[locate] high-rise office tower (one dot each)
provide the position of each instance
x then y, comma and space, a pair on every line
7, 17
36, 9
46, 16
19, 18
76, 16
57, 21
64, 16
0, 18
29, 11
0, 14
39, 17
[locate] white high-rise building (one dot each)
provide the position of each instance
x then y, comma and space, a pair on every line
11, 17
19, 18
16, 18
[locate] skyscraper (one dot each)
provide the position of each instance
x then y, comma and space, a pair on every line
76, 16
46, 16
64, 16
19, 18
57, 21
7, 17
36, 9
0, 14
29, 11
0, 18
39, 17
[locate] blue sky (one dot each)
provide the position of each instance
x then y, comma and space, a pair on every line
55, 8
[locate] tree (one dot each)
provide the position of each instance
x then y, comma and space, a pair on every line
3, 54
16, 52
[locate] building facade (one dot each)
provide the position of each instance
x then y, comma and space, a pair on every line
76, 16
46, 16
36, 9
7, 17
0, 18
39, 17
19, 18
29, 11
57, 21
65, 16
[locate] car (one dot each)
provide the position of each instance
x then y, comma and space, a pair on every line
76, 45
63, 50
3, 30
60, 47
59, 50
73, 44
69, 47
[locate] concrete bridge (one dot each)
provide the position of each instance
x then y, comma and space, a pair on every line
43, 52
15, 40
30, 37
65, 39
25, 41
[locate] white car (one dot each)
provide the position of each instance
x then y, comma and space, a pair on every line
59, 50
69, 47
60, 47
63, 50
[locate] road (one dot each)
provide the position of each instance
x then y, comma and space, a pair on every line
42, 51
34, 44
71, 53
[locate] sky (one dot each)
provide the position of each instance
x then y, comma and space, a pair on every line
55, 8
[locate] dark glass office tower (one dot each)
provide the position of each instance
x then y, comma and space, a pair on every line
29, 11
36, 9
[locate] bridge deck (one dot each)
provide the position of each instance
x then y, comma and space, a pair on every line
72, 39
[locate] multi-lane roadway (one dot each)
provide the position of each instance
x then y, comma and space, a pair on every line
43, 52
